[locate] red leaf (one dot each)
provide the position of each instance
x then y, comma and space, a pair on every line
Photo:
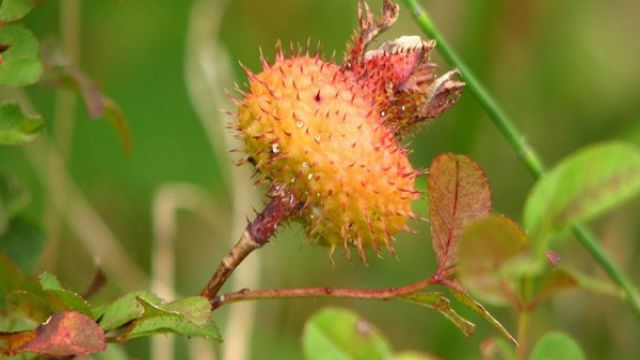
63, 334
459, 193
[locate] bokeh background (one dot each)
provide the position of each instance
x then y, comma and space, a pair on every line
566, 71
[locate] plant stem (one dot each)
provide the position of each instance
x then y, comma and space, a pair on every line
523, 330
590, 242
488, 103
525, 152
318, 292
280, 208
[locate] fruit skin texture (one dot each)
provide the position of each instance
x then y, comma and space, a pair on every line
329, 133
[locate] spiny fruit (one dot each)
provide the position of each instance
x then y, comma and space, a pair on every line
329, 133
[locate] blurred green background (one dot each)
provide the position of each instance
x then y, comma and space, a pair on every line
566, 71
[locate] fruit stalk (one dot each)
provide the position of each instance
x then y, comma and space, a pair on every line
281, 207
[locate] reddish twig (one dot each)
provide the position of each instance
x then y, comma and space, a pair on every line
281, 207
318, 292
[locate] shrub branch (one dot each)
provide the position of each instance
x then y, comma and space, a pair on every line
526, 153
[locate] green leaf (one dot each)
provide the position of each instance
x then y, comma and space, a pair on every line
63, 300
196, 309
20, 63
64, 334
583, 186
13, 279
13, 198
174, 324
557, 346
34, 307
476, 307
486, 247
51, 298
340, 334
12, 10
16, 128
49, 282
23, 242
189, 317
438, 302
459, 193
125, 309
563, 278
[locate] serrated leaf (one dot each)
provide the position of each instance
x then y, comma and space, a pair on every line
13, 278
63, 334
476, 307
23, 241
51, 298
485, 248
16, 128
583, 186
125, 309
459, 193
557, 346
196, 309
334, 333
61, 299
185, 317
12, 10
20, 63
172, 324
438, 302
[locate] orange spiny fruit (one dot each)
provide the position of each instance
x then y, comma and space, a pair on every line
329, 133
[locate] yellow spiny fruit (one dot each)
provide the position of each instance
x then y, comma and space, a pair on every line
329, 133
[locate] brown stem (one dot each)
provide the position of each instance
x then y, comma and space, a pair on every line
280, 208
317, 292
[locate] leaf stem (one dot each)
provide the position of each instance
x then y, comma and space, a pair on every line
526, 153
318, 292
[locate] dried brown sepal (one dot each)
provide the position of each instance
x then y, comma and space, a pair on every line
370, 27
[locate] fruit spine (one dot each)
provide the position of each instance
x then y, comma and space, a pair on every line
329, 133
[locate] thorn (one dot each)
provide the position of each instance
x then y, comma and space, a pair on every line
279, 53
331, 256
347, 249
247, 71
390, 248
263, 60
361, 252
